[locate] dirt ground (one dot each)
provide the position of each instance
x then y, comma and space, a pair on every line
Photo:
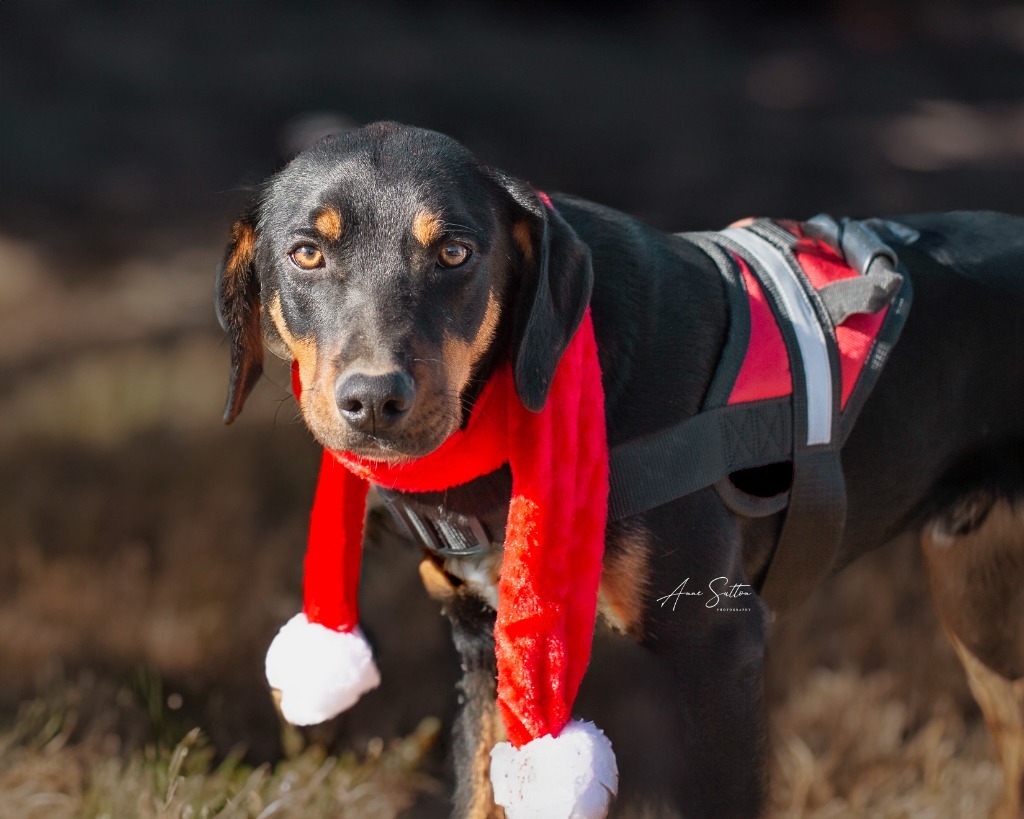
148, 554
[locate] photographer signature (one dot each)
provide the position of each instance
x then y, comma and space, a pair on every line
719, 589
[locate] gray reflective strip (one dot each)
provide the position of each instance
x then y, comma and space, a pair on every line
809, 336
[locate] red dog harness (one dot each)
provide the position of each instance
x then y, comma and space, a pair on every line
815, 308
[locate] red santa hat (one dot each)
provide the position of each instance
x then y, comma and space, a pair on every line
547, 594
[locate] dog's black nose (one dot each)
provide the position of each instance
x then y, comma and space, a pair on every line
374, 403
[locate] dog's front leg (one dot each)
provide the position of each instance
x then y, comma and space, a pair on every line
478, 726
710, 629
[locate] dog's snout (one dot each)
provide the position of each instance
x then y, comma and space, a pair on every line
374, 403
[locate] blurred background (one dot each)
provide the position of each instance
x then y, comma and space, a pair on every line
148, 554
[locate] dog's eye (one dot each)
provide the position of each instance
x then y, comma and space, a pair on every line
453, 254
307, 257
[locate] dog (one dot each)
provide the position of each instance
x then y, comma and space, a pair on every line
402, 273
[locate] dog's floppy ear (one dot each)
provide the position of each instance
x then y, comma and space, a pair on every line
238, 310
555, 281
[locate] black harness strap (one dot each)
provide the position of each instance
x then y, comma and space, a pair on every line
650, 471
812, 529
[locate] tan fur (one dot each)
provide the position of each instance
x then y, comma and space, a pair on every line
438, 584
491, 733
977, 584
243, 240
478, 573
303, 350
426, 227
328, 224
460, 356
625, 581
521, 234
1002, 703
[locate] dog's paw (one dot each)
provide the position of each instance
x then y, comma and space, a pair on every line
571, 776
317, 672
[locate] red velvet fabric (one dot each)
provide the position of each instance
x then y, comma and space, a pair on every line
331, 593
547, 593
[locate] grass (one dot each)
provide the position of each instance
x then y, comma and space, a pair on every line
845, 743
849, 744
65, 755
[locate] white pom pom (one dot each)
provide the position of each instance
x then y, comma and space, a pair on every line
318, 672
571, 776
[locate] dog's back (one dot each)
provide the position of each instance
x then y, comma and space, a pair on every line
948, 411
986, 247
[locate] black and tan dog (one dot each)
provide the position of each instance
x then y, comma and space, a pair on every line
400, 270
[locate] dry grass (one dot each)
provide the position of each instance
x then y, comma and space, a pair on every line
847, 744
871, 713
64, 756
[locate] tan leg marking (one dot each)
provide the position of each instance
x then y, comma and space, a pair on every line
328, 224
492, 731
460, 356
1002, 703
625, 581
426, 227
977, 584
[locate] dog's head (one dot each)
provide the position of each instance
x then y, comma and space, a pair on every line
399, 272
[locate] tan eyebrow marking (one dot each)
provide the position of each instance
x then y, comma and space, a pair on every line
328, 224
426, 227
